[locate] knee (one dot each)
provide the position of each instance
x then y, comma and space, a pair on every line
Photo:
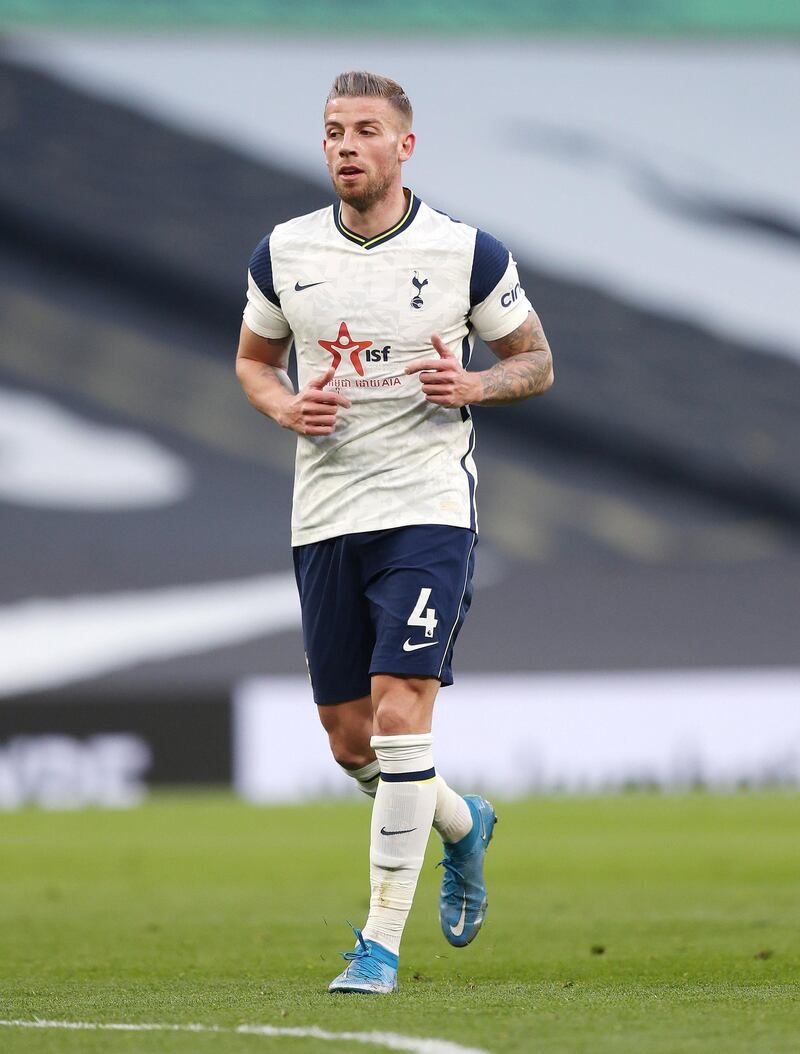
349, 728
392, 719
350, 752
403, 709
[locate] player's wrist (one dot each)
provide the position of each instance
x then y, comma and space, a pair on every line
475, 387
283, 413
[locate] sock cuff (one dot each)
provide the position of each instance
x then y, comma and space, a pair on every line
366, 773
417, 739
405, 759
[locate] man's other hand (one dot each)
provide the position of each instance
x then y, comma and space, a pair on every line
312, 412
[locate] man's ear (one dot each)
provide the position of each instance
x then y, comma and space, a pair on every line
406, 146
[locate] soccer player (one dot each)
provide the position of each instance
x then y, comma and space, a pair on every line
382, 296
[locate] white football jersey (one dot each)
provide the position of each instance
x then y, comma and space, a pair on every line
368, 307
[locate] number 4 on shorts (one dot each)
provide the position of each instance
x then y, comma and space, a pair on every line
428, 619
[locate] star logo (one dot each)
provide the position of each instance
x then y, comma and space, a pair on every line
344, 342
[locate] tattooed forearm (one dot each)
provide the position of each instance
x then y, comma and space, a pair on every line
528, 373
525, 369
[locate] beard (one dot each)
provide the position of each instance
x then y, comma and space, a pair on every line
364, 197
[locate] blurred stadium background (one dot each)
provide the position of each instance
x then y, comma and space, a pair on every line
639, 565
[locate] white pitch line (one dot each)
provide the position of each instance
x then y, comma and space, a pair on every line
389, 1040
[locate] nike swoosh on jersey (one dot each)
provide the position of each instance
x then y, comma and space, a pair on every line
458, 929
406, 830
408, 646
299, 288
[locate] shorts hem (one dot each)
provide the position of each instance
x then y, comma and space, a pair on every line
339, 699
444, 679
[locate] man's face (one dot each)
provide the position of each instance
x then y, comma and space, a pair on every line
366, 142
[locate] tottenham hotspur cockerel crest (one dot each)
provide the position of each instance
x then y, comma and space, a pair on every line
419, 284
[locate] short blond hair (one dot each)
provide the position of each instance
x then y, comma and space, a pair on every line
356, 83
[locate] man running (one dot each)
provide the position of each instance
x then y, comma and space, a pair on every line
382, 296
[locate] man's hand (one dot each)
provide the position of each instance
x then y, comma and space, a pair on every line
525, 369
444, 380
312, 412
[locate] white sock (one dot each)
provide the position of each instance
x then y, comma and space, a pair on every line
452, 819
366, 777
401, 822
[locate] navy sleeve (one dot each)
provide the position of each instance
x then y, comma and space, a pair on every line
261, 269
488, 266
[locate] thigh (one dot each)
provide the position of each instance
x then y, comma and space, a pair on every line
419, 591
338, 635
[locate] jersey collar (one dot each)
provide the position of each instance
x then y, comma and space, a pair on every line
378, 239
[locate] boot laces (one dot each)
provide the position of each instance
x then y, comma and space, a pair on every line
454, 878
362, 955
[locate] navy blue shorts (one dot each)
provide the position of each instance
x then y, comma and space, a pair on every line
383, 602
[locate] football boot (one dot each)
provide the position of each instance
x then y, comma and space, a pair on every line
463, 900
371, 969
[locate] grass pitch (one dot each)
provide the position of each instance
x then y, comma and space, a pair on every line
638, 923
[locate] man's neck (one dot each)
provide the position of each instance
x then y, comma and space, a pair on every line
380, 217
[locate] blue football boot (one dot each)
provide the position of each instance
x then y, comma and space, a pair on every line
371, 968
463, 900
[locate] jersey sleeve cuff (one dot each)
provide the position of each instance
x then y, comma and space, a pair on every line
511, 321
271, 331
